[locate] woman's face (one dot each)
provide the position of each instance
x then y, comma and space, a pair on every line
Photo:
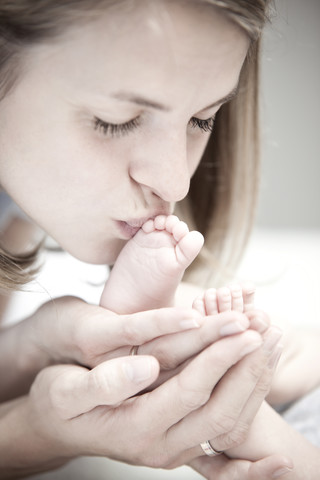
108, 123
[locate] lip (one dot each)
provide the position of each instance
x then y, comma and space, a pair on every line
138, 222
129, 228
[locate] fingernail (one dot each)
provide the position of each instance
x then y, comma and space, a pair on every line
282, 471
139, 369
271, 338
232, 328
275, 356
260, 323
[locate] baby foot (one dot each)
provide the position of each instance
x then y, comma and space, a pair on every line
150, 267
224, 299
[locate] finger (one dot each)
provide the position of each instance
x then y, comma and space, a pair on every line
224, 299
256, 399
251, 380
142, 327
192, 387
222, 468
275, 466
212, 468
75, 390
171, 351
222, 419
259, 320
106, 332
218, 420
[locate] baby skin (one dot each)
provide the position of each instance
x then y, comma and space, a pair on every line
150, 267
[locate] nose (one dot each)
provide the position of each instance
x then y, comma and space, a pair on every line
162, 168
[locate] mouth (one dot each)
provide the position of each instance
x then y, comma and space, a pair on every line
129, 228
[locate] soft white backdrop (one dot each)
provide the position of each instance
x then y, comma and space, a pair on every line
290, 106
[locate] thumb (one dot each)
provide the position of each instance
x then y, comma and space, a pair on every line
75, 390
275, 466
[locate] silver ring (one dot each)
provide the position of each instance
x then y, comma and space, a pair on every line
134, 350
209, 450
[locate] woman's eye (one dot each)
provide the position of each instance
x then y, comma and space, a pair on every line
203, 125
122, 129
113, 129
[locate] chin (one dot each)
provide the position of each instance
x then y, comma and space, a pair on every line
99, 255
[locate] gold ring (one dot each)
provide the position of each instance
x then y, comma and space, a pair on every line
134, 350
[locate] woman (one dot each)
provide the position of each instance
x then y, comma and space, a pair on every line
95, 133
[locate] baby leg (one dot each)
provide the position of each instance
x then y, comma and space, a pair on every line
150, 267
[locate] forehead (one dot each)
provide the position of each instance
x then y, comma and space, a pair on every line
153, 43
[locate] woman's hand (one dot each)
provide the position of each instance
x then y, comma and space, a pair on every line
73, 411
223, 468
68, 330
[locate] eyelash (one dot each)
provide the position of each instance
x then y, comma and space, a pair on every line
115, 129
125, 128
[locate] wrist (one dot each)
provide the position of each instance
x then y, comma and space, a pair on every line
20, 360
24, 448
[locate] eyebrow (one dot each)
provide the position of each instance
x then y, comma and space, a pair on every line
144, 102
224, 99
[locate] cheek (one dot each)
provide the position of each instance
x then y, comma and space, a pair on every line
196, 146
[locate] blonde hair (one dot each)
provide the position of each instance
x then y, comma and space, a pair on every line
223, 191
223, 195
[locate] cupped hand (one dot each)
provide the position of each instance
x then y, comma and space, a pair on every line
68, 330
77, 411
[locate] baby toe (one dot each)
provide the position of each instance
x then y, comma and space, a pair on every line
224, 299
236, 298
210, 300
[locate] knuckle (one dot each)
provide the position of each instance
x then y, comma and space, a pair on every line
192, 399
222, 363
263, 387
222, 423
166, 356
236, 436
149, 455
57, 397
157, 460
81, 340
254, 371
129, 332
103, 385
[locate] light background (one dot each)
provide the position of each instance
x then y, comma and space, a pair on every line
290, 108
